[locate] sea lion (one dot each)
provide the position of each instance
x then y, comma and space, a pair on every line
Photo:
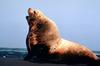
44, 41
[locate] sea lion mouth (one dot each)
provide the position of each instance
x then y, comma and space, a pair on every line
28, 18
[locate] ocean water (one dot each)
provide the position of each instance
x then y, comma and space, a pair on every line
19, 52
13, 52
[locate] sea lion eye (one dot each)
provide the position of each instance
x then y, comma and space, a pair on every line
34, 12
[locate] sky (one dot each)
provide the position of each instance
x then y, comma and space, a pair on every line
77, 20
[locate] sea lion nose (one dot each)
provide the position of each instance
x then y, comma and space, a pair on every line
30, 11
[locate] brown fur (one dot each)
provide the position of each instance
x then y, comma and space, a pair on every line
43, 40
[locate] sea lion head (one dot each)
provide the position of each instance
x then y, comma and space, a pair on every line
37, 21
34, 13
42, 29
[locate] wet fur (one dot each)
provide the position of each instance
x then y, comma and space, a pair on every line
44, 41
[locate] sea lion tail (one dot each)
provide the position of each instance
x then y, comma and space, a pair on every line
98, 62
95, 62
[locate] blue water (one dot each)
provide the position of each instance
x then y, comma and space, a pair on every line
19, 52
12, 52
